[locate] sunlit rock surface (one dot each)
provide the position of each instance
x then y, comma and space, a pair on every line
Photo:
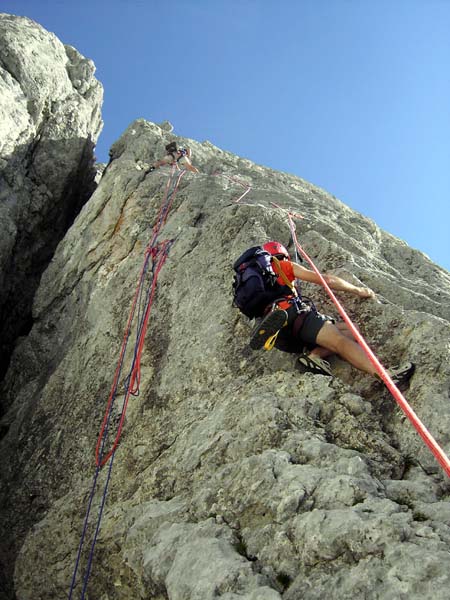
236, 476
50, 119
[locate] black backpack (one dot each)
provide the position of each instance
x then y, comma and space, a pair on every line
255, 282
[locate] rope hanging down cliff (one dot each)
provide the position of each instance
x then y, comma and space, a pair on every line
156, 253
437, 451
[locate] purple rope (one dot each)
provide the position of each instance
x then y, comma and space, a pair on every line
141, 314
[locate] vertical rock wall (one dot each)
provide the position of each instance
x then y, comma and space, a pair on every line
236, 476
50, 119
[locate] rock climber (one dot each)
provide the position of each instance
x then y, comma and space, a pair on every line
180, 156
293, 325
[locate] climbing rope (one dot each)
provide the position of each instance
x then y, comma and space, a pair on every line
243, 184
131, 386
155, 255
437, 451
296, 216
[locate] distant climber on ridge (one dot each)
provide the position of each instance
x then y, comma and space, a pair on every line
176, 156
264, 289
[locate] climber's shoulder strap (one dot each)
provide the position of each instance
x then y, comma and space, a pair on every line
279, 271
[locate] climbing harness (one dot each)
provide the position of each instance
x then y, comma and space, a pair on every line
155, 256
437, 451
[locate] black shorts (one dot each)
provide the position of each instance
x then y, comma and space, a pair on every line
301, 332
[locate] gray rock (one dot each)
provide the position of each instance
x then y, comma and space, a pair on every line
50, 119
236, 476
199, 562
166, 126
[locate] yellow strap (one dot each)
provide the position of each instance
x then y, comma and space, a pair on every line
279, 271
270, 342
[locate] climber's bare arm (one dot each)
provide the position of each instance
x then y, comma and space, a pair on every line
335, 282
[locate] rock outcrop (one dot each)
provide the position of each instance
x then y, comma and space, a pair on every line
236, 476
50, 119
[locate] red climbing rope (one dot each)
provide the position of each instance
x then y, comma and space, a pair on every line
437, 451
158, 254
246, 185
159, 257
289, 212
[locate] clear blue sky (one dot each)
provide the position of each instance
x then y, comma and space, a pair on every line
351, 95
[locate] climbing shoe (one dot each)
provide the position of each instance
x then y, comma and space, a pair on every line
314, 364
403, 373
400, 375
265, 333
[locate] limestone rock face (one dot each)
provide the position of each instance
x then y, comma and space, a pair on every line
236, 476
50, 119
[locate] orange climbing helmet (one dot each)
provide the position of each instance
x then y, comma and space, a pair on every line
276, 249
